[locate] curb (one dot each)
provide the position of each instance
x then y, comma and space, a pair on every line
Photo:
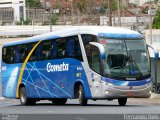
2, 98
155, 96
154, 99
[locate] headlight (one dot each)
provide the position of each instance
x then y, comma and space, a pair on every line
109, 84
148, 85
106, 92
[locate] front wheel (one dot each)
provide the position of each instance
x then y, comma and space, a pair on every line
81, 96
24, 99
122, 101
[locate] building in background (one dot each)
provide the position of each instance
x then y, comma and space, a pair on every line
13, 8
139, 2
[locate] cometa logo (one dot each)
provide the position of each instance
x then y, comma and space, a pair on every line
55, 68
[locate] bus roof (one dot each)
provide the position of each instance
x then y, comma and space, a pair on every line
100, 31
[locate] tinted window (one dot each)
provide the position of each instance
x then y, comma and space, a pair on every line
68, 47
46, 50
73, 49
34, 56
88, 38
8, 55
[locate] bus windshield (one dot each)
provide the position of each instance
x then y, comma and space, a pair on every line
126, 59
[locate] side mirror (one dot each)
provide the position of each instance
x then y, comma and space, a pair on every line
101, 49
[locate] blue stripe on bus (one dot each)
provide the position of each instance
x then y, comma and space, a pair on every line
126, 83
120, 36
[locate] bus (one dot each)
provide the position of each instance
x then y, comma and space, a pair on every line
80, 62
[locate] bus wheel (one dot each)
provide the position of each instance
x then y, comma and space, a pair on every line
122, 101
23, 97
81, 96
59, 101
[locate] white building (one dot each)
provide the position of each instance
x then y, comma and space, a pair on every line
134, 22
17, 5
139, 2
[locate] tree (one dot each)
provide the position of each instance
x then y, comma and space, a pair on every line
33, 4
81, 5
156, 21
53, 19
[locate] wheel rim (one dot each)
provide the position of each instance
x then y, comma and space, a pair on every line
23, 97
80, 95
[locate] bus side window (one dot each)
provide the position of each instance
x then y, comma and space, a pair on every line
61, 48
70, 46
88, 38
78, 53
8, 55
17, 54
46, 50
73, 49
54, 50
33, 56
39, 52
23, 52
95, 61
88, 54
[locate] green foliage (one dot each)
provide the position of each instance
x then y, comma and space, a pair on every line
156, 21
113, 5
82, 5
53, 19
2, 23
33, 4
24, 22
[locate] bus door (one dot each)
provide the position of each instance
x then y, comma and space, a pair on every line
95, 70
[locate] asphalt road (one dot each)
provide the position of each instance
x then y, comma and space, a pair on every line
96, 110
72, 111
72, 107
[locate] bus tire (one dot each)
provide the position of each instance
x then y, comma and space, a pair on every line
59, 101
81, 96
122, 101
23, 97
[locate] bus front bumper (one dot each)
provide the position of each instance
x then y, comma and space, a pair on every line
113, 92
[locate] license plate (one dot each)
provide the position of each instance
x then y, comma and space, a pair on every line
130, 93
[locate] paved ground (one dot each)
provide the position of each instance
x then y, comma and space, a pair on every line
154, 99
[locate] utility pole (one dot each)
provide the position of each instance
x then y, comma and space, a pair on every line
50, 14
137, 22
110, 12
150, 23
119, 17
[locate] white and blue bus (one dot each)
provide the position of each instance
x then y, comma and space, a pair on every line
85, 62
